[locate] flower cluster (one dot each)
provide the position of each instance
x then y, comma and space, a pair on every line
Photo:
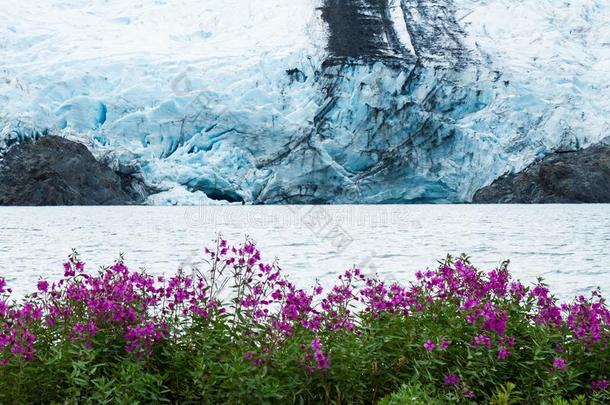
133, 305
485, 314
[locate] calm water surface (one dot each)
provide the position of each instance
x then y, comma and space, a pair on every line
568, 245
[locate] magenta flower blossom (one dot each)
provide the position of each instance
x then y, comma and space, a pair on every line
451, 379
4, 308
503, 353
321, 358
429, 345
482, 340
468, 393
68, 270
600, 385
92, 328
559, 364
43, 286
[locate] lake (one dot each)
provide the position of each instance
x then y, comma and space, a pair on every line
568, 245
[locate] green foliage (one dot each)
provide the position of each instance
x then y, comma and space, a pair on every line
415, 394
418, 394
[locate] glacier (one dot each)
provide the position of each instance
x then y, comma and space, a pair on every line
308, 101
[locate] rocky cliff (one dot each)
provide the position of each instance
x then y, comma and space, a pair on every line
581, 176
56, 171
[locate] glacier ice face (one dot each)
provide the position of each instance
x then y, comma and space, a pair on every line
276, 101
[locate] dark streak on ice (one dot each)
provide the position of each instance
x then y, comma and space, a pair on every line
434, 31
361, 29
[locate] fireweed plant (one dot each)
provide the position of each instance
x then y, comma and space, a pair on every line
240, 331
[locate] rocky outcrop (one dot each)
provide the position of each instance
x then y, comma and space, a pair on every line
581, 176
55, 171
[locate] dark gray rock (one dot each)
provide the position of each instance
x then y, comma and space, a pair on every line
581, 176
55, 171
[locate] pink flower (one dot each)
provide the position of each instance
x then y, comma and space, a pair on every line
503, 353
78, 328
43, 286
429, 345
559, 364
321, 358
91, 328
451, 379
482, 340
68, 270
277, 295
444, 344
600, 385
